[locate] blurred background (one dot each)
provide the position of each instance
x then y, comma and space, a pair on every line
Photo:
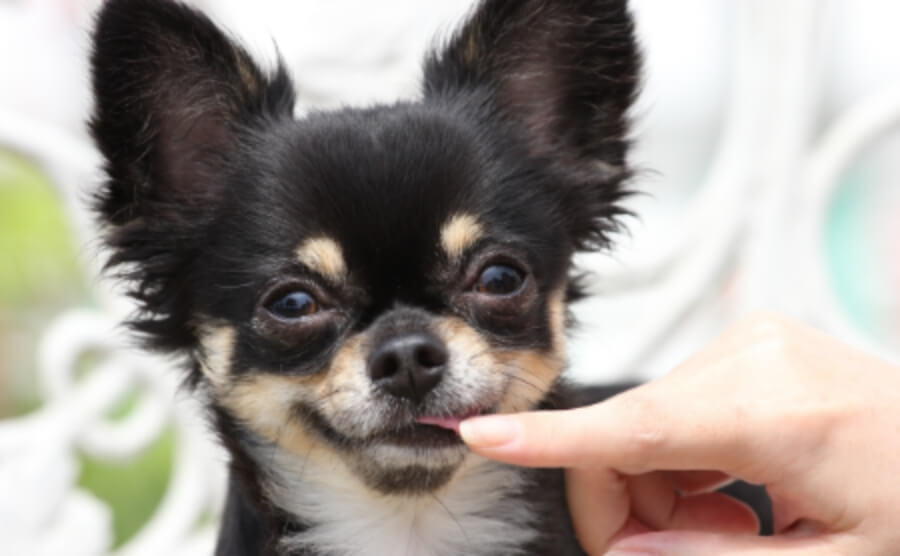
768, 141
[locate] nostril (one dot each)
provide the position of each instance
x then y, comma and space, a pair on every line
384, 365
431, 355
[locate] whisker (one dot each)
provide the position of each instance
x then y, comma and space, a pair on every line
452, 516
523, 380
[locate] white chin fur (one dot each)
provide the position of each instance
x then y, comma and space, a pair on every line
390, 455
474, 514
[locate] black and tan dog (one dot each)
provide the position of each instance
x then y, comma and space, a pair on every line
344, 288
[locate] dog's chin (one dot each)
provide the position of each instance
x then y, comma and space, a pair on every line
394, 470
415, 459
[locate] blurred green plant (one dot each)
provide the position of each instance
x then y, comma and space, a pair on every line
40, 276
132, 489
39, 258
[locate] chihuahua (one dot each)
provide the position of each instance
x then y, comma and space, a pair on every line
346, 287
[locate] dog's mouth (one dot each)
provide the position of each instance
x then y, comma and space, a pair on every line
432, 431
429, 430
451, 422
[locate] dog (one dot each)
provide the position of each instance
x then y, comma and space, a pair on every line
346, 287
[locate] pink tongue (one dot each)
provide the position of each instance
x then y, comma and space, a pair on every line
450, 423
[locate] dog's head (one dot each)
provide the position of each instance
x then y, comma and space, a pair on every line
352, 283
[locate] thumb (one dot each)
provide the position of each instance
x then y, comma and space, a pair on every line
690, 543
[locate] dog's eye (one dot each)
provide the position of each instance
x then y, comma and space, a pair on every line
293, 305
499, 279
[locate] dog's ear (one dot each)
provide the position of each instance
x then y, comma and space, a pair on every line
173, 94
562, 75
170, 90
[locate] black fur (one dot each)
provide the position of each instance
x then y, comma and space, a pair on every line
523, 119
211, 183
173, 99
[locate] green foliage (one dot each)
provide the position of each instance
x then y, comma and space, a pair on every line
38, 258
39, 275
132, 489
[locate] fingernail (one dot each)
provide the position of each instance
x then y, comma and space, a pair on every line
638, 545
489, 432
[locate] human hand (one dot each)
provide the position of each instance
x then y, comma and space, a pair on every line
770, 402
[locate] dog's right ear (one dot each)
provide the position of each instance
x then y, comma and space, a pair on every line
173, 96
170, 90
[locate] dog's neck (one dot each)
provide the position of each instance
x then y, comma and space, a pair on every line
480, 512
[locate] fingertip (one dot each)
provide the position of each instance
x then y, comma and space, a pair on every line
599, 504
714, 512
699, 543
558, 438
520, 438
490, 432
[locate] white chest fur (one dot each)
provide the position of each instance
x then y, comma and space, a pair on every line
473, 515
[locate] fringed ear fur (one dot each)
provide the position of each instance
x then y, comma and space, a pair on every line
172, 93
562, 74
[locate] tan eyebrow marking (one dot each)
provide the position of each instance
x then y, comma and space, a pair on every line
323, 255
460, 233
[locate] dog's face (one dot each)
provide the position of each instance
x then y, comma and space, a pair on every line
352, 284
381, 271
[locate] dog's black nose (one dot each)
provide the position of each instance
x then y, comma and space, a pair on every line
409, 366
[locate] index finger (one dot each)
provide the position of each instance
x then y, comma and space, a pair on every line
638, 431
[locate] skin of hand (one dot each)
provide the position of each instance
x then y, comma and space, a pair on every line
771, 402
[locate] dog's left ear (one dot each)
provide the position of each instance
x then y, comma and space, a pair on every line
562, 75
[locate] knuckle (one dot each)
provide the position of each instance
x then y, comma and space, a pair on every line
643, 432
645, 441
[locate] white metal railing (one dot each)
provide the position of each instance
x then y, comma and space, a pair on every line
763, 201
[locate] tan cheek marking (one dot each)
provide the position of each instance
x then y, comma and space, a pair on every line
533, 372
536, 373
460, 233
265, 404
323, 255
217, 345
462, 338
346, 383
537, 370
